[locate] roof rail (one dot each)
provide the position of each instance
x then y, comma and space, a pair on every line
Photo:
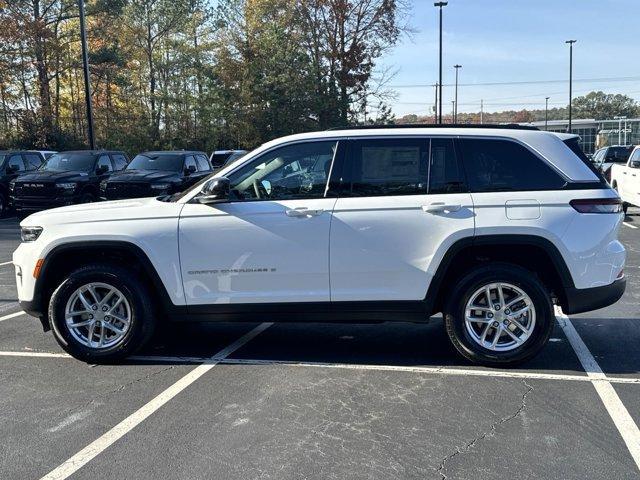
504, 126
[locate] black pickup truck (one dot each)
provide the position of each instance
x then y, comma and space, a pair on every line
66, 178
151, 174
14, 163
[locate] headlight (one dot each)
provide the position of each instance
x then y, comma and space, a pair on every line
66, 186
30, 234
160, 186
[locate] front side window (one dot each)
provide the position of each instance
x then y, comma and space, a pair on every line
203, 163
291, 172
503, 165
120, 161
15, 162
386, 167
104, 163
635, 157
67, 162
190, 163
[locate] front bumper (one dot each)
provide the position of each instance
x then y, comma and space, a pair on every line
580, 300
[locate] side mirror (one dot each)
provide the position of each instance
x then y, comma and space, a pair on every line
101, 170
635, 163
190, 169
215, 190
11, 169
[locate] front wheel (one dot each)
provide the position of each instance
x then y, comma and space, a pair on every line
101, 313
499, 315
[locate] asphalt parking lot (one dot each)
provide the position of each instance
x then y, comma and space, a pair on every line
321, 401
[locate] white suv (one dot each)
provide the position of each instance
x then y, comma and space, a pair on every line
489, 226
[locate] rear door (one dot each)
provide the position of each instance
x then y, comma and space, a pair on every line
402, 203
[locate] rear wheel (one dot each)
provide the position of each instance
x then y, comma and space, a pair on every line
101, 313
499, 315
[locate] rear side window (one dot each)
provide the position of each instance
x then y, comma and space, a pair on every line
33, 160
502, 165
203, 163
445, 172
387, 167
574, 146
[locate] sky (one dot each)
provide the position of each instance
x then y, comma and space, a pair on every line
502, 41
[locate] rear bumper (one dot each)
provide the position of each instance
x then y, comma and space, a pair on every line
580, 300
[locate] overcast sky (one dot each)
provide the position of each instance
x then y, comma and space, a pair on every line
500, 41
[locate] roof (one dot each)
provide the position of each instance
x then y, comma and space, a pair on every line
173, 152
500, 126
92, 152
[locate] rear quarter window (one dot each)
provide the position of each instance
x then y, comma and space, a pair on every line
494, 165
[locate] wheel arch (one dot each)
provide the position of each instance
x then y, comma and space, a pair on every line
68, 256
535, 253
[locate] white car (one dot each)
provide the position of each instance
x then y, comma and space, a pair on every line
489, 226
625, 179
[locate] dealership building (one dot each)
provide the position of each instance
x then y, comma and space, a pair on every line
598, 133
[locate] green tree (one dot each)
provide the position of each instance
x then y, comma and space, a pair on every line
600, 105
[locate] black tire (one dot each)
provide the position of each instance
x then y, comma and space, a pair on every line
142, 322
625, 207
454, 313
3, 205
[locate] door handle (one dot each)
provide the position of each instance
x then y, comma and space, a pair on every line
439, 207
624, 173
303, 212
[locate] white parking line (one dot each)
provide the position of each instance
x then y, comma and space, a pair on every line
617, 411
85, 455
629, 225
12, 315
349, 366
6, 263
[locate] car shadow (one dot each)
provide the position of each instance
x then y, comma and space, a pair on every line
382, 344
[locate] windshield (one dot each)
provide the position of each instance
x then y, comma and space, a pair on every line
151, 161
65, 162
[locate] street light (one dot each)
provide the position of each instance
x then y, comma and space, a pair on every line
455, 113
87, 86
435, 106
440, 5
546, 113
570, 42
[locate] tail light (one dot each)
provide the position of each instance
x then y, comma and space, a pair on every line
597, 205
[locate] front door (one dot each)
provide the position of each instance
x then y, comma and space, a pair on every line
402, 204
270, 243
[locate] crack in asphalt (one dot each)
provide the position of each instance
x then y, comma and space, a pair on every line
119, 388
490, 432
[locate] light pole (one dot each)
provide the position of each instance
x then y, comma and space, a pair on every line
455, 113
546, 113
570, 42
87, 85
440, 5
435, 106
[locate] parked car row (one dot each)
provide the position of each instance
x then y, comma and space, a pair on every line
605, 157
31, 181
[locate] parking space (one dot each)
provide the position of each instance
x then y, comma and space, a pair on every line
323, 401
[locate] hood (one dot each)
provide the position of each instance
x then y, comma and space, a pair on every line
117, 210
44, 176
150, 176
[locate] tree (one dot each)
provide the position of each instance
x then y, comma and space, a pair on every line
600, 105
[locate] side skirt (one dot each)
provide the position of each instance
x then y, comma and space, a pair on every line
324, 312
